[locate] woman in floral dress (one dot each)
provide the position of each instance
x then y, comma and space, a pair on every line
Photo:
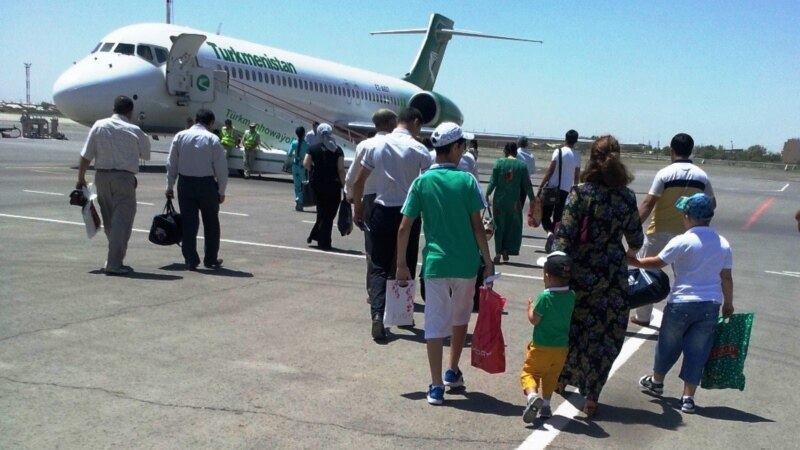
509, 178
598, 213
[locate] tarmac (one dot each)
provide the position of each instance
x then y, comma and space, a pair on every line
274, 350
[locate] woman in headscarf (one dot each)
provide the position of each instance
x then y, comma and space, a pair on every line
509, 178
325, 164
598, 214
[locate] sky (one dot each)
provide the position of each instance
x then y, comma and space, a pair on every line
725, 71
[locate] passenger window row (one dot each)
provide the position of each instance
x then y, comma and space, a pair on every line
311, 86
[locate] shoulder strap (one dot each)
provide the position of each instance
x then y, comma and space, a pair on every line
560, 166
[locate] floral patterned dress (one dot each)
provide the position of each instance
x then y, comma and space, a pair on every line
509, 178
594, 222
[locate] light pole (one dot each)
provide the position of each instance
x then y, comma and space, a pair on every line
27, 83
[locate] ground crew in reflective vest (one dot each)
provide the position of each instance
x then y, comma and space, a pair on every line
250, 142
228, 137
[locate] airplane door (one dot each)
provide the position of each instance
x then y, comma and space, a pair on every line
184, 76
348, 93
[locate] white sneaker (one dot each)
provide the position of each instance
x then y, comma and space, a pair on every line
533, 406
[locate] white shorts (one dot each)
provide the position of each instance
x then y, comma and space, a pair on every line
443, 311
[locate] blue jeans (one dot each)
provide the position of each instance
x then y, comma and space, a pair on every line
298, 175
686, 328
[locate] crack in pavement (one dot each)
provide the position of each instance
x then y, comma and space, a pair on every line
238, 411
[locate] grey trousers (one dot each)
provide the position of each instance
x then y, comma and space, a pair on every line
116, 195
249, 162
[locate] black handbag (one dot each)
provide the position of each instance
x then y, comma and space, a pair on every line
345, 220
167, 228
646, 287
550, 195
309, 199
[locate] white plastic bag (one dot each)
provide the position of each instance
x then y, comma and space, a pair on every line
399, 308
90, 217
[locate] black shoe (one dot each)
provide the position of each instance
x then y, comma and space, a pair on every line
298, 207
378, 331
214, 264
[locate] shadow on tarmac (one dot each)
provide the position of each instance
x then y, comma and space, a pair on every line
142, 276
476, 402
220, 272
719, 412
647, 337
519, 264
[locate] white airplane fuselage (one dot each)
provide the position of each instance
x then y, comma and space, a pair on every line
317, 88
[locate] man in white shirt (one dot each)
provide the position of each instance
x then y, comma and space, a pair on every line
394, 166
311, 136
563, 173
530, 162
116, 145
198, 157
385, 121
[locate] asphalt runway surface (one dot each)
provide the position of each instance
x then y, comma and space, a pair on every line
274, 350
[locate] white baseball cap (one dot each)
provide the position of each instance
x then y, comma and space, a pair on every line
447, 133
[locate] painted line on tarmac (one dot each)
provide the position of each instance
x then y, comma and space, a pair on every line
234, 214
145, 203
542, 437
533, 246
783, 188
254, 244
42, 192
761, 210
785, 273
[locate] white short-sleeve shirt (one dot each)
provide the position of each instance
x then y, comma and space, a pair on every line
697, 257
571, 160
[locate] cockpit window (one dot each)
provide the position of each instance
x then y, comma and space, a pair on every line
125, 49
107, 47
144, 52
96, 47
161, 54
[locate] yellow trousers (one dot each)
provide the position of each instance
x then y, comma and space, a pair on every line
541, 369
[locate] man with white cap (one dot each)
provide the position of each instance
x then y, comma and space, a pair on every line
324, 162
395, 165
250, 142
450, 202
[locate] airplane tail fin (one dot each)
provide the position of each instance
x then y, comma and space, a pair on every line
440, 30
425, 69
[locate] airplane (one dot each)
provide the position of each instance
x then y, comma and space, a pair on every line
171, 71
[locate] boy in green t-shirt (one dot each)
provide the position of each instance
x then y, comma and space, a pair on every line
550, 315
450, 203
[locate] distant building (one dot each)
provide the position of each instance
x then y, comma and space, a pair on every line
791, 151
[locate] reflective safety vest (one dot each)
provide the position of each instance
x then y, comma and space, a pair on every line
227, 140
250, 140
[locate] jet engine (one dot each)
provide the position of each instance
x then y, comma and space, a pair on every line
436, 108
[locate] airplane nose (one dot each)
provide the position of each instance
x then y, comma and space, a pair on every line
85, 92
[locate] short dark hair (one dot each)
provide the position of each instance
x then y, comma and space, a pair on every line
408, 115
204, 116
682, 144
384, 117
522, 142
300, 132
123, 105
228, 122
510, 149
474, 143
571, 137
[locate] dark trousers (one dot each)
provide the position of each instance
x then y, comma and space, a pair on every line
551, 215
327, 206
383, 224
199, 195
367, 203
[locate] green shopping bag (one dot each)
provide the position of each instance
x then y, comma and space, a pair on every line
725, 366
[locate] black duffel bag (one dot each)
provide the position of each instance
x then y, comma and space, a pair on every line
167, 228
646, 287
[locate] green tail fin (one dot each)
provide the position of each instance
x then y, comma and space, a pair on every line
426, 67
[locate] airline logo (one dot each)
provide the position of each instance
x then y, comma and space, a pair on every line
263, 61
203, 83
